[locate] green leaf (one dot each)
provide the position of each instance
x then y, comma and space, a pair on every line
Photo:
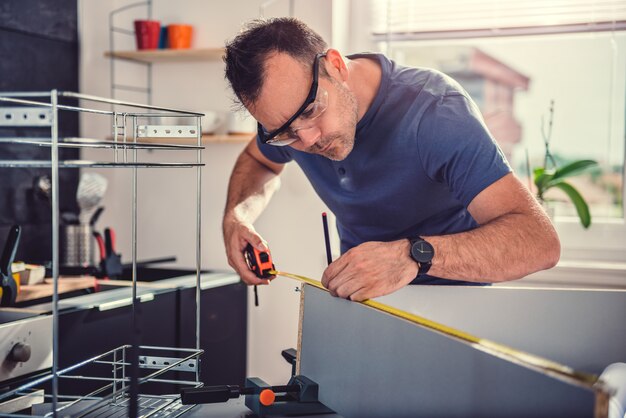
541, 179
581, 206
573, 169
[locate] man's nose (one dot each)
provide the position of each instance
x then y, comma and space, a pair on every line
309, 136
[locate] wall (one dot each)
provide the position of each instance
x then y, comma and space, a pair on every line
36, 36
291, 223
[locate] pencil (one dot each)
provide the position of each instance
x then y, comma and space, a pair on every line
329, 257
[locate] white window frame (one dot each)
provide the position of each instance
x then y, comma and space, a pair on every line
602, 247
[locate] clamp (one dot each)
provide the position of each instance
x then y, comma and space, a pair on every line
298, 397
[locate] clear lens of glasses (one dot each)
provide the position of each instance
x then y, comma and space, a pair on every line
306, 120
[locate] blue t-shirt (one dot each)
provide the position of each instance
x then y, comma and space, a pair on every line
421, 154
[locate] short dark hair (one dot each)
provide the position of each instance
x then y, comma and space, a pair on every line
246, 53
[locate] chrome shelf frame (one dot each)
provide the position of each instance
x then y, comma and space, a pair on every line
92, 164
97, 143
125, 145
126, 131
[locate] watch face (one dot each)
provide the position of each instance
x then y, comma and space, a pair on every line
422, 251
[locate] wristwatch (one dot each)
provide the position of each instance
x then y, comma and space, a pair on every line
422, 252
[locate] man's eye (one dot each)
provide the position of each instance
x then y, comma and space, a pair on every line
309, 112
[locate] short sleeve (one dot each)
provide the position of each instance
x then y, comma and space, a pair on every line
456, 148
280, 155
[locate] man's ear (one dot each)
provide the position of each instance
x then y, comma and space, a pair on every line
336, 65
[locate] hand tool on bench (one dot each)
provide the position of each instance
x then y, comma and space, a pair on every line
110, 261
9, 285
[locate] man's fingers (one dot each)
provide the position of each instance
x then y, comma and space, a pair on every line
333, 271
253, 280
347, 289
250, 236
245, 273
359, 296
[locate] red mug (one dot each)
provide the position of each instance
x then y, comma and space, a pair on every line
147, 33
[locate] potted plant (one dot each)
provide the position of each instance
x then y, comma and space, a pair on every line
551, 176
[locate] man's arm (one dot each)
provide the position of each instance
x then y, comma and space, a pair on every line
515, 238
253, 181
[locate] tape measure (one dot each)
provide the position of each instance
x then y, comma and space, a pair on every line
260, 262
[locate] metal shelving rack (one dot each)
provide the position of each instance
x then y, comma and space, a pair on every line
122, 381
113, 30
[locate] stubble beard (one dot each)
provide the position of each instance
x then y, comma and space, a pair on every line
343, 139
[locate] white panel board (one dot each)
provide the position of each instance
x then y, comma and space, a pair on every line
583, 329
371, 364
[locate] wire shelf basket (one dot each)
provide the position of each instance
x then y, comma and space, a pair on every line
100, 386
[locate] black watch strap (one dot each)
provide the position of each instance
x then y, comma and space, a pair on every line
423, 268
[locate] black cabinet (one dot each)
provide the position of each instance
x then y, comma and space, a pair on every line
167, 320
223, 330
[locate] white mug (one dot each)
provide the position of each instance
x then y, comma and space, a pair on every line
241, 122
211, 121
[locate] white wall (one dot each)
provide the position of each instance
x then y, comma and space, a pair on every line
291, 223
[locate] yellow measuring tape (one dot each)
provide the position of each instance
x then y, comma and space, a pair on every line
517, 356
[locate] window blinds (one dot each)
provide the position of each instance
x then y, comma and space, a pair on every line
441, 19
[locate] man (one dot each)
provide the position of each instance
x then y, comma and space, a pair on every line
400, 155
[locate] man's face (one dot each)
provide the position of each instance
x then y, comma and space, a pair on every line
286, 85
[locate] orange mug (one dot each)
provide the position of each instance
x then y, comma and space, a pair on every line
179, 36
147, 33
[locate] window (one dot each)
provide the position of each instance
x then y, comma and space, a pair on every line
517, 57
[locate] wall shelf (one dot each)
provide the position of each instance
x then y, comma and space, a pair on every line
168, 55
230, 138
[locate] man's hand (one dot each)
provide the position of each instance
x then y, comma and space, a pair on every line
252, 183
370, 270
236, 236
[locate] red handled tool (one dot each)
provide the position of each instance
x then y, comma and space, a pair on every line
9, 285
260, 262
112, 265
101, 249
110, 261
103, 254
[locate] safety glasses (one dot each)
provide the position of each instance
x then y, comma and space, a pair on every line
304, 118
